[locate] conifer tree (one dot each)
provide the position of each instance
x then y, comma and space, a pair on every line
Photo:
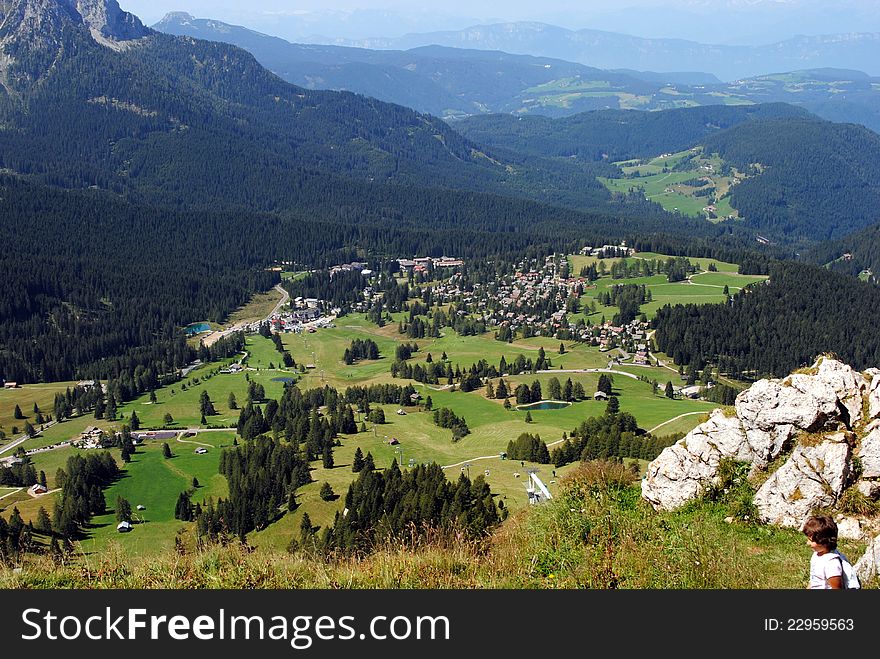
326, 492
357, 464
528, 417
135, 421
17, 413
613, 406
306, 531
327, 457
166, 451
44, 524
369, 464
123, 510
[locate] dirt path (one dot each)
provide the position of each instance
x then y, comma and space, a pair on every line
9, 494
680, 416
492, 457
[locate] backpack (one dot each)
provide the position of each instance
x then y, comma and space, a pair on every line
850, 578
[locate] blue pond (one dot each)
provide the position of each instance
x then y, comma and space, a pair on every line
284, 380
545, 405
196, 328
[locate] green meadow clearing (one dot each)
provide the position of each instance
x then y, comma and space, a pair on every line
703, 288
658, 181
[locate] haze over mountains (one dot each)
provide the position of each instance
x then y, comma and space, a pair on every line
451, 82
608, 50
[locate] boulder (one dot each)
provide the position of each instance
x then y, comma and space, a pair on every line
869, 454
849, 386
868, 566
683, 470
813, 477
768, 418
801, 401
874, 393
849, 528
870, 489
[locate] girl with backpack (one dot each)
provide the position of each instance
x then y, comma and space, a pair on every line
829, 569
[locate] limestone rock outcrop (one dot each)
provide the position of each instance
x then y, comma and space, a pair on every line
868, 566
768, 418
813, 477
869, 454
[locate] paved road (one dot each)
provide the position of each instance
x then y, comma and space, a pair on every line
21, 440
285, 298
212, 338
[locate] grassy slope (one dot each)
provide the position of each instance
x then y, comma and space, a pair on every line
592, 536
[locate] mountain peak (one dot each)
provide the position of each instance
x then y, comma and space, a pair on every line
176, 18
106, 18
41, 22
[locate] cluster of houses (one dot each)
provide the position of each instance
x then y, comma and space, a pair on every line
354, 266
608, 251
425, 264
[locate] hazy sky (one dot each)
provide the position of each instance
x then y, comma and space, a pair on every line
708, 21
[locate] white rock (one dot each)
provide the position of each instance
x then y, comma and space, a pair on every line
849, 385
812, 478
870, 489
868, 566
683, 470
874, 397
803, 402
849, 528
869, 454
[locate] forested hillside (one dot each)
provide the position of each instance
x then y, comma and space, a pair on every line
178, 121
777, 327
817, 179
612, 135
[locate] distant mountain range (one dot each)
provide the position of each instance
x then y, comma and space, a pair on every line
454, 82
610, 50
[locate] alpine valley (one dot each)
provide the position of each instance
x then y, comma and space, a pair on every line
305, 313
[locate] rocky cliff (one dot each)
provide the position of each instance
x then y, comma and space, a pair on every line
35, 33
810, 438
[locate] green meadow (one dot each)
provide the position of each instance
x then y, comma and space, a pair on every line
155, 483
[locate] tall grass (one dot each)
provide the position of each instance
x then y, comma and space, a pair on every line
598, 534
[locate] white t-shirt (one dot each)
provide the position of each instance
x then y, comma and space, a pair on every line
823, 568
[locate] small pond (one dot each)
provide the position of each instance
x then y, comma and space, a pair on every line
284, 380
545, 405
196, 328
